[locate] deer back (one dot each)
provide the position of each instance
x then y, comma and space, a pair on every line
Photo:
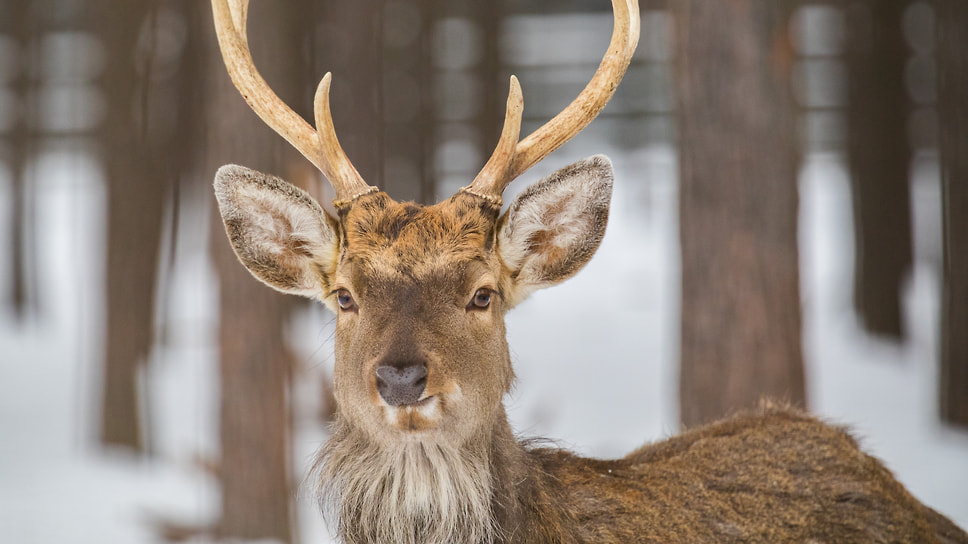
774, 475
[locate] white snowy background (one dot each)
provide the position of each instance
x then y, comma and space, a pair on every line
595, 357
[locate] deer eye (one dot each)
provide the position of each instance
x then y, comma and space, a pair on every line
482, 299
345, 299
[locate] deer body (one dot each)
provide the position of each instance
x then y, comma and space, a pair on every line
445, 466
421, 450
772, 476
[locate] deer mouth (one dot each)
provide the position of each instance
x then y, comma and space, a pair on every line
423, 415
426, 401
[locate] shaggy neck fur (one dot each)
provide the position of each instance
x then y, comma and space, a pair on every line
435, 494
413, 492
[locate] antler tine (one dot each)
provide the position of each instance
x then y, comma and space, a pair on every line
490, 182
321, 148
350, 180
564, 126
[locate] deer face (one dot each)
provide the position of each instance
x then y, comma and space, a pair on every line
420, 292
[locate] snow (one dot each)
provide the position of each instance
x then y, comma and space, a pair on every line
595, 359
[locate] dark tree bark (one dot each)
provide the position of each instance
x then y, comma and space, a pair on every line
21, 25
879, 156
349, 44
137, 183
495, 84
254, 417
738, 158
254, 363
408, 99
952, 45
427, 121
380, 55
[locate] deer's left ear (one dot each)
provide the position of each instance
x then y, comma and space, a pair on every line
553, 227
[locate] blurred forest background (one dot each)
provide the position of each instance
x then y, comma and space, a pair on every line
114, 116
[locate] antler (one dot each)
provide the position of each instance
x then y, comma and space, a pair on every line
320, 146
509, 160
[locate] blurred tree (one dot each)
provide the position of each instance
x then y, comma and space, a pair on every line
545, 7
879, 156
495, 84
472, 68
255, 364
738, 157
476, 109
348, 43
425, 121
139, 169
380, 56
19, 21
952, 51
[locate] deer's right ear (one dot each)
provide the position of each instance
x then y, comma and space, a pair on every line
554, 226
279, 232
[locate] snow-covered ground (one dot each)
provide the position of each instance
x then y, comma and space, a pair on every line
595, 359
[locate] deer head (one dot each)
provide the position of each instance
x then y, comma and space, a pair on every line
420, 292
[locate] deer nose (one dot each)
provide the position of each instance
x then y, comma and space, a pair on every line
401, 385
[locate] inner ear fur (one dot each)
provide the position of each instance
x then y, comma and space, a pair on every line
279, 232
553, 227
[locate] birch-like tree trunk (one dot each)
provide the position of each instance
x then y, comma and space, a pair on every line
738, 160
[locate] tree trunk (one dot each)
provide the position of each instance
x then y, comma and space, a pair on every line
879, 156
380, 55
254, 416
21, 26
495, 85
427, 122
409, 97
952, 44
254, 364
137, 183
349, 45
738, 157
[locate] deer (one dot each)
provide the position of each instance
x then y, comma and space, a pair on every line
421, 449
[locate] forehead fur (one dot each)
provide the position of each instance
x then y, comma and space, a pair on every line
378, 230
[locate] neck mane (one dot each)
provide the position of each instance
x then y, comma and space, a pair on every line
432, 493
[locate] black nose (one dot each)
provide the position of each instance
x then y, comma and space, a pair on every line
401, 385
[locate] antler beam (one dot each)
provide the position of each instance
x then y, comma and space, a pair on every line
319, 145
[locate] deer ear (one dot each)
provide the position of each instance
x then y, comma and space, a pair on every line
554, 226
278, 231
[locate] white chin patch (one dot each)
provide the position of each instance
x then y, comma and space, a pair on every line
423, 415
